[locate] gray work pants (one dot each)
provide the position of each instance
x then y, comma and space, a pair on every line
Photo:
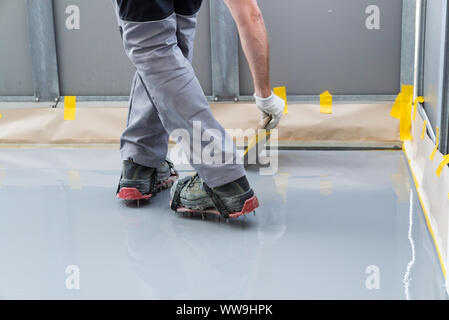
166, 96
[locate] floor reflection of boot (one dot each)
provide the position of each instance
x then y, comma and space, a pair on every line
271, 227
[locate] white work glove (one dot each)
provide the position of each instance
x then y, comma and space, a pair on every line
272, 106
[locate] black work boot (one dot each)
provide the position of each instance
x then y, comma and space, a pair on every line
231, 200
140, 183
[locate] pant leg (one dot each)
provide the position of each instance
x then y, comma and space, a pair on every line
176, 93
185, 34
186, 15
145, 140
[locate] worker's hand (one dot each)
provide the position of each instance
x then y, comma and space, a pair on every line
272, 106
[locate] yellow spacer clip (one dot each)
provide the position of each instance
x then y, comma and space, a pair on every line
326, 103
69, 108
424, 127
281, 92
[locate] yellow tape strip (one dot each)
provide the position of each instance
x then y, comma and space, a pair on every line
406, 113
434, 152
415, 106
282, 93
424, 127
326, 103
429, 226
413, 175
407, 91
442, 165
402, 110
69, 108
396, 110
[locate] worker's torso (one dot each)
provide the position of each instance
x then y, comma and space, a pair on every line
152, 10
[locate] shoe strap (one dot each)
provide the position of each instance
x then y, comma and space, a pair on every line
153, 181
118, 187
218, 203
177, 195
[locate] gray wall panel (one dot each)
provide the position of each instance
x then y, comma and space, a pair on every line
202, 55
15, 59
92, 60
434, 60
321, 45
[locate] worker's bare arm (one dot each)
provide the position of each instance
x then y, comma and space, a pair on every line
255, 43
253, 35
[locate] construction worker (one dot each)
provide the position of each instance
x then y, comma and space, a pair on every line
158, 37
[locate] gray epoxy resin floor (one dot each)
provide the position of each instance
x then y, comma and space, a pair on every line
332, 225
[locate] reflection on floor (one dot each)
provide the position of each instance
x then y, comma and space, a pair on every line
331, 225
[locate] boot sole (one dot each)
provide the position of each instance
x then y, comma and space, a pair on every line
249, 206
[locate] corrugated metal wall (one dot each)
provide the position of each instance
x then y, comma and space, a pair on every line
316, 45
325, 44
15, 60
92, 60
434, 55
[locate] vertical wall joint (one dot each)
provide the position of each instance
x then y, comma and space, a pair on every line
408, 42
43, 50
225, 53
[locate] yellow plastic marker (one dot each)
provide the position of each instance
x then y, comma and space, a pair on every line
69, 108
0, 115
396, 111
282, 93
326, 103
442, 165
424, 127
415, 106
434, 152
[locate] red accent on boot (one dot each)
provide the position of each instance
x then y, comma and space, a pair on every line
132, 194
249, 206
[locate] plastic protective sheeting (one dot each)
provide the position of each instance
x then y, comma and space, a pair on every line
348, 125
432, 189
